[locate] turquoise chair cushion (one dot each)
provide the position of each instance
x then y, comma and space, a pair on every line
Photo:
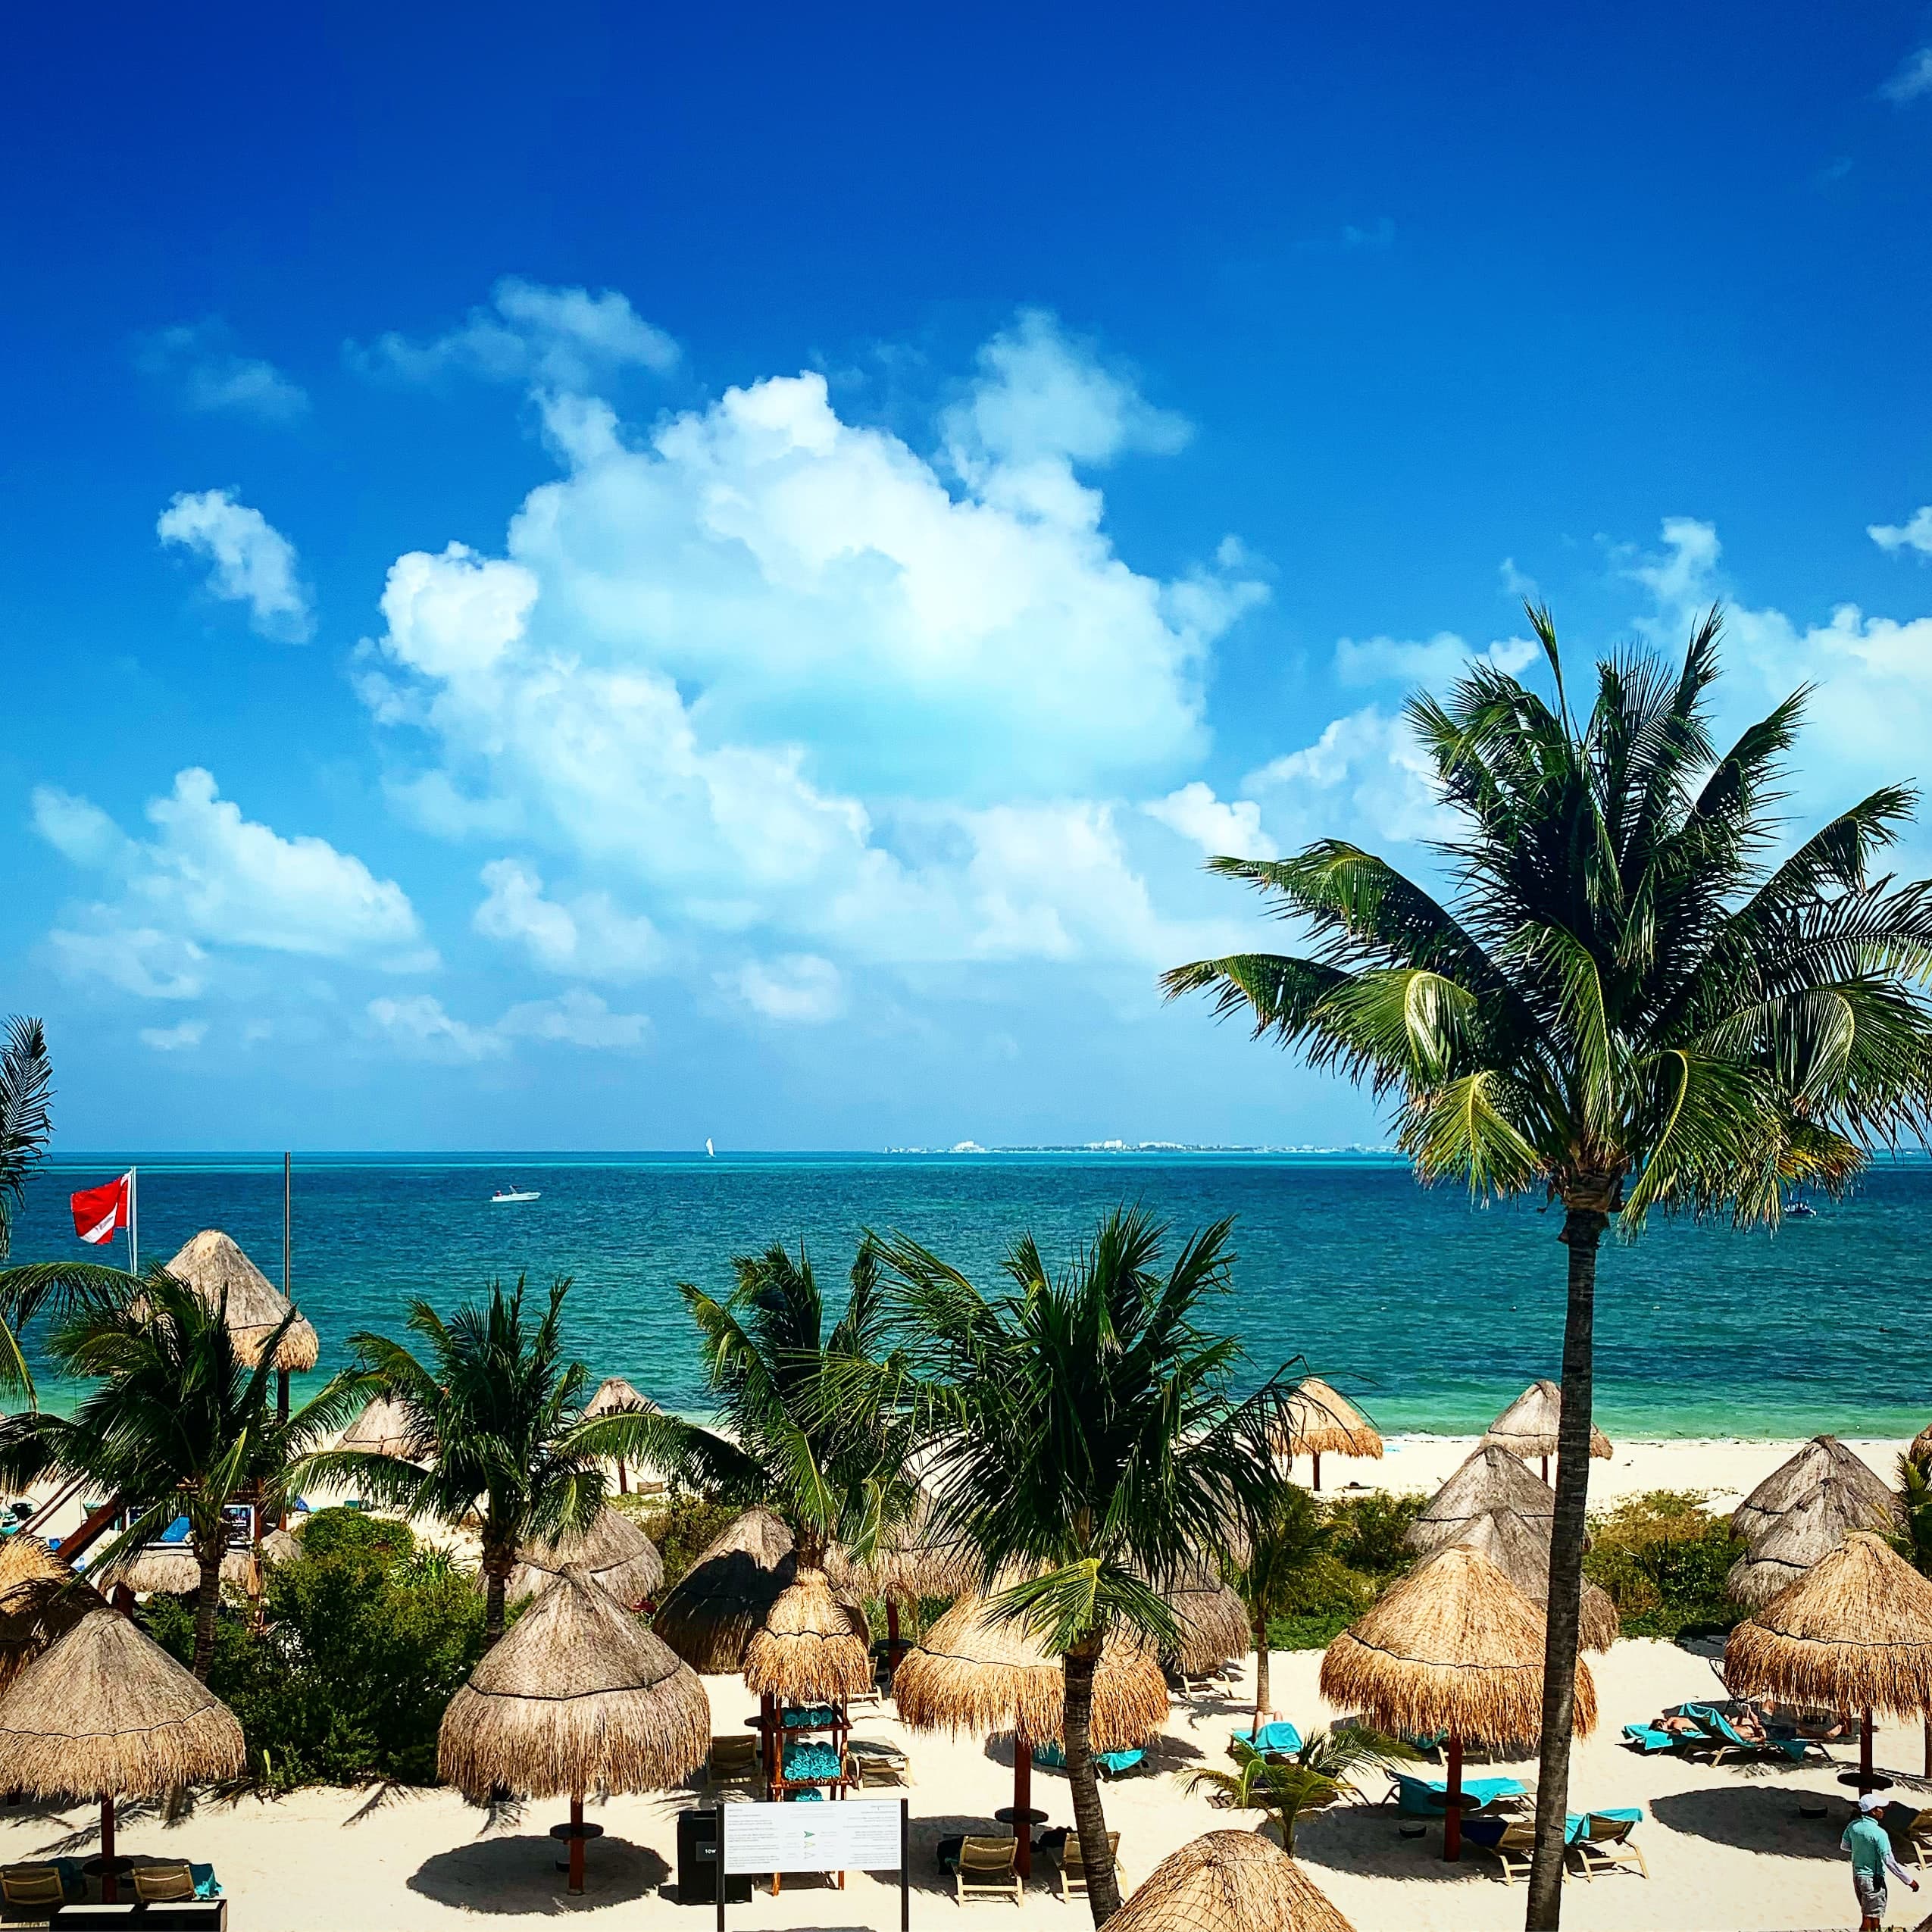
1281, 1736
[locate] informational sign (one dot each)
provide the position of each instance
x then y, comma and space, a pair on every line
858, 1835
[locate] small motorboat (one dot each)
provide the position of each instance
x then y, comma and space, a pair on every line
516, 1194
1799, 1210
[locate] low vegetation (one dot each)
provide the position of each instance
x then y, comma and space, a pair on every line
1662, 1557
1356, 1552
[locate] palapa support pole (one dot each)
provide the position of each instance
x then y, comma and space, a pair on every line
1022, 1802
109, 1890
1315, 1456
892, 1633
1866, 1777
1452, 1815
577, 1841
1546, 1469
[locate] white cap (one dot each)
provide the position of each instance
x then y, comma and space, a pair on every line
1870, 1802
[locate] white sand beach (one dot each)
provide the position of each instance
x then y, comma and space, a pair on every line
1726, 1846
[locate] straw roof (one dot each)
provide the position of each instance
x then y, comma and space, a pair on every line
173, 1569
615, 1396
1528, 1425
383, 1428
1790, 1544
613, 1553
278, 1547
1454, 1646
1853, 1633
41, 1600
1214, 1622
577, 1696
1824, 1458
911, 1561
212, 1264
813, 1649
1320, 1420
1489, 1481
1228, 1881
720, 1604
1519, 1547
107, 1712
979, 1674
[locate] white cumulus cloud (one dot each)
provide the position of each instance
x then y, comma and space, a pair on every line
199, 364
1913, 80
1914, 534
1365, 777
1230, 828
551, 338
1433, 660
250, 562
208, 878
419, 1028
575, 1018
183, 1038
586, 936
799, 988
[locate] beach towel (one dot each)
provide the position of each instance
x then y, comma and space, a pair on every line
1280, 1736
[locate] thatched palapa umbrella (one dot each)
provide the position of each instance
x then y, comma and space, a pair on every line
1489, 1481
1921, 1444
1318, 1421
215, 1268
1824, 1459
813, 1649
912, 1560
173, 1569
576, 1696
383, 1428
1853, 1633
1228, 1881
615, 1396
1213, 1619
41, 1600
1519, 1547
106, 1713
712, 1612
1454, 1646
1528, 1427
613, 1553
981, 1674
1810, 1531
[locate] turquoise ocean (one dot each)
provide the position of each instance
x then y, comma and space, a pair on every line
1433, 1312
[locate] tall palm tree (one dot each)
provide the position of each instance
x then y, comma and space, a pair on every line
178, 1424
1625, 1003
1087, 1441
1284, 1536
1915, 1544
832, 1469
494, 1412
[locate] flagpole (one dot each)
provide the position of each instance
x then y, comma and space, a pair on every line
134, 1220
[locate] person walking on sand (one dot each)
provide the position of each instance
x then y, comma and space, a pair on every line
1871, 1846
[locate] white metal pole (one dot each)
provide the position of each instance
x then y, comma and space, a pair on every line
134, 1220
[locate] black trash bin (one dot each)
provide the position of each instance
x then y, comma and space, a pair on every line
697, 1862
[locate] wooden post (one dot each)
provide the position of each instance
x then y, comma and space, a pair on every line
109, 1890
1866, 1779
1315, 1456
1022, 1802
1546, 1469
892, 1633
577, 1841
1452, 1815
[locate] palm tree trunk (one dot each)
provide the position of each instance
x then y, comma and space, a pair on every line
1103, 1887
493, 1594
1584, 1223
207, 1601
1928, 1747
1261, 1674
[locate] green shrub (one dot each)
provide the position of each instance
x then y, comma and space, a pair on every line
1366, 1532
365, 1640
1662, 1558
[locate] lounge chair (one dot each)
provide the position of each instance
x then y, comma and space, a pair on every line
1279, 1740
735, 1760
1510, 1841
988, 1868
1652, 1738
1428, 1797
1108, 1764
35, 1889
1602, 1842
1072, 1862
866, 1768
1911, 1830
1729, 1742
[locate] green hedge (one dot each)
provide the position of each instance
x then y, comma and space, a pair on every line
1662, 1558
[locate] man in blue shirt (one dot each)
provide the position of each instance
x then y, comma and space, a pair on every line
1871, 1847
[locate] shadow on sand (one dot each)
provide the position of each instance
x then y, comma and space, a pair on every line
520, 1875
1758, 1817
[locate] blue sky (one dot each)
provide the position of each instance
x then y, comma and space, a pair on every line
592, 578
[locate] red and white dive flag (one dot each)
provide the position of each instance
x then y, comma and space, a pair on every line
101, 1213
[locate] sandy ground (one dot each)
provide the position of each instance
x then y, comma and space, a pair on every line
1726, 1846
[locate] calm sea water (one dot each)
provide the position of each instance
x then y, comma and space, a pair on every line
1433, 1312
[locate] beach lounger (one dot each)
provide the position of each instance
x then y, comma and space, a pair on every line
1117, 1763
865, 1769
1603, 1843
1911, 1830
1073, 1863
1420, 1797
1729, 1742
1280, 1739
1650, 1738
988, 1868
1510, 1841
734, 1761
35, 1889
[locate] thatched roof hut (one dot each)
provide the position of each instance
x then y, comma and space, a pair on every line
278, 1547
213, 1265
383, 1428
1317, 1420
1214, 1622
41, 1600
1528, 1425
172, 1569
613, 1553
1853, 1633
977, 1672
615, 1396
1454, 1646
576, 1696
1824, 1458
912, 1560
712, 1612
1228, 1881
814, 1649
1519, 1547
1490, 1480
106, 1712
1810, 1531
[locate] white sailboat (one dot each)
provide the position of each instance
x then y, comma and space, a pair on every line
710, 1151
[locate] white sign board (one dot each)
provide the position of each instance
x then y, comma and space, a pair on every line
858, 1835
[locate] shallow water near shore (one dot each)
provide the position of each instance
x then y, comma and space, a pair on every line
1433, 1311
